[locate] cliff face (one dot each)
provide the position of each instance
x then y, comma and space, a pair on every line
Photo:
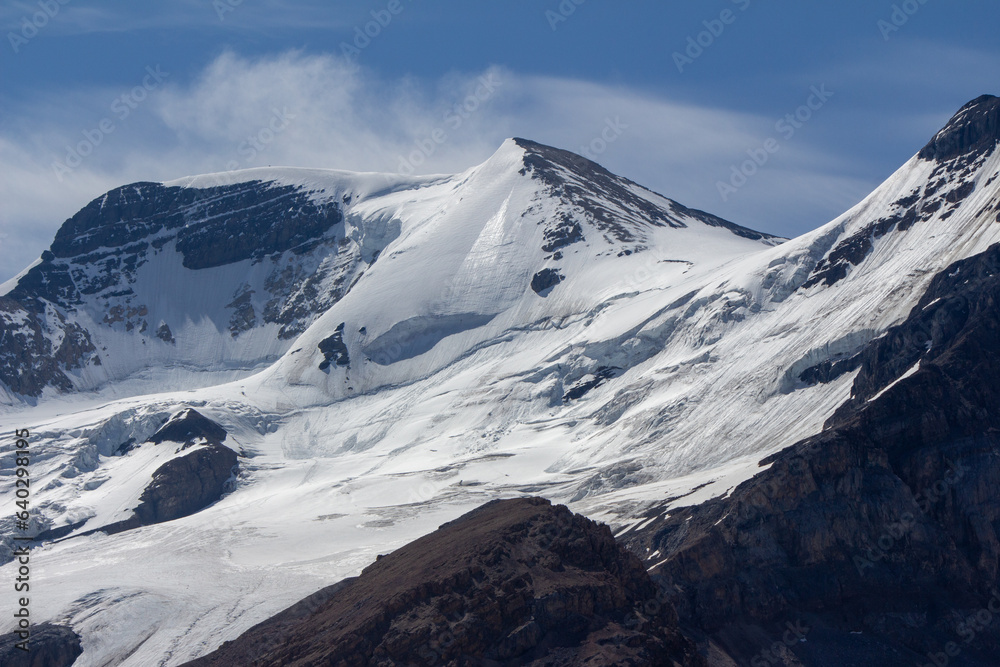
98, 257
515, 582
405, 348
49, 646
880, 534
974, 130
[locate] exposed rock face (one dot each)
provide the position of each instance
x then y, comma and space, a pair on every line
163, 333
334, 349
829, 370
188, 483
186, 427
30, 359
516, 582
587, 185
50, 646
958, 149
879, 534
244, 316
591, 381
212, 226
95, 259
974, 130
543, 281
102, 246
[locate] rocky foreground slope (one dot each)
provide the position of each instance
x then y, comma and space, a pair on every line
515, 582
874, 542
881, 533
533, 326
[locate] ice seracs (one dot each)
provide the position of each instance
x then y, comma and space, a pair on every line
534, 325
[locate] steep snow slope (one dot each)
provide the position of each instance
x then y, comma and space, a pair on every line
558, 331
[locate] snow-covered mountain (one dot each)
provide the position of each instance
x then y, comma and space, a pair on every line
385, 353
123, 286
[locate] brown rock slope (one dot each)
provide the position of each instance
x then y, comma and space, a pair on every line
515, 582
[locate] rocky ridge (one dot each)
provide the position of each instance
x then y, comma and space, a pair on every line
515, 582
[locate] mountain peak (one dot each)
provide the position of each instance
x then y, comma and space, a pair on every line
973, 131
588, 185
536, 154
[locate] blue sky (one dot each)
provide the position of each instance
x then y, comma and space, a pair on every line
158, 91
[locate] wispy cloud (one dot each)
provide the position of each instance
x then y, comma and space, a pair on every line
337, 115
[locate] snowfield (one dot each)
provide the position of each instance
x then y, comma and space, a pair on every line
664, 362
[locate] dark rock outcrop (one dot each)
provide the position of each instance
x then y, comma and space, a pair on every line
30, 359
186, 427
334, 349
562, 232
589, 186
49, 646
917, 207
244, 316
164, 333
515, 582
969, 137
879, 534
211, 226
96, 256
829, 370
543, 281
186, 484
975, 130
115, 234
591, 381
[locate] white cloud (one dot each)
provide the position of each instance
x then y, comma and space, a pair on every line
350, 118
